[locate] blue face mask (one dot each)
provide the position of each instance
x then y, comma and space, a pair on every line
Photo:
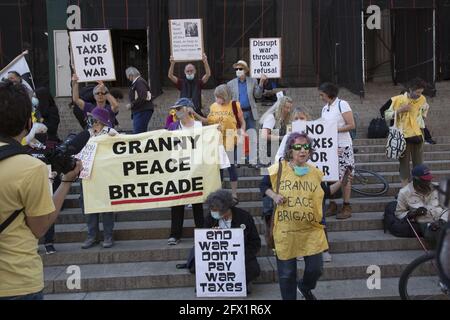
216, 215
301, 171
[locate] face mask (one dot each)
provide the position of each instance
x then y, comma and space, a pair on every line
180, 114
240, 73
216, 215
301, 171
190, 76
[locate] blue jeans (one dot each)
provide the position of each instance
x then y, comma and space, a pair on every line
50, 235
141, 120
287, 275
29, 297
250, 122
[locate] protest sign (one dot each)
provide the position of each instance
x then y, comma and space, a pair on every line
186, 39
87, 156
155, 169
220, 263
324, 136
265, 57
93, 55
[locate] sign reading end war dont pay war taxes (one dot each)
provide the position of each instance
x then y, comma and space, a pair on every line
220, 263
157, 169
93, 55
325, 144
186, 39
265, 57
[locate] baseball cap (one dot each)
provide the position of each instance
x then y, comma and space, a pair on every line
422, 172
183, 102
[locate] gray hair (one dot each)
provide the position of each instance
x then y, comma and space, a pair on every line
223, 91
222, 200
97, 89
133, 72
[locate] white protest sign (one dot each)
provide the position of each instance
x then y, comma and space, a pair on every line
220, 263
87, 156
93, 55
265, 57
324, 136
186, 39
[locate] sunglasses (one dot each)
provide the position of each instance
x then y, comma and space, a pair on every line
299, 147
101, 94
240, 69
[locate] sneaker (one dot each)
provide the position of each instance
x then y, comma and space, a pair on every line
431, 141
332, 209
108, 243
89, 243
49, 249
306, 295
173, 242
326, 256
300, 259
345, 213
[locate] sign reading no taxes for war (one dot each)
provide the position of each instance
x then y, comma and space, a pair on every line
186, 39
265, 57
93, 55
220, 263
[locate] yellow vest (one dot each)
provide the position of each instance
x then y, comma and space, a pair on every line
223, 115
408, 121
298, 231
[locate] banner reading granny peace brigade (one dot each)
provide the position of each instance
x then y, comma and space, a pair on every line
155, 169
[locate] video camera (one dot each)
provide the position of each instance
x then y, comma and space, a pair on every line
61, 158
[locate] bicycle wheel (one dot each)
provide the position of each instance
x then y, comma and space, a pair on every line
369, 183
420, 280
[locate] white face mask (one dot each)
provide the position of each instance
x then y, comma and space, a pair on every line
190, 76
216, 215
240, 73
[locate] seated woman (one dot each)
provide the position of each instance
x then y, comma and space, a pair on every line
419, 202
225, 216
298, 229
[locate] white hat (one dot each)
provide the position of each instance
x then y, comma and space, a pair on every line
242, 64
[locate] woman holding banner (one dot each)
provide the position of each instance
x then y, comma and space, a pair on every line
339, 111
229, 116
297, 226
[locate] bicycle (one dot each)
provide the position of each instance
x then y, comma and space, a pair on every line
424, 277
369, 183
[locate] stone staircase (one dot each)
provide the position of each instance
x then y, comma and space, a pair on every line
142, 266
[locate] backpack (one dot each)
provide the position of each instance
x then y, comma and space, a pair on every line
353, 131
377, 129
398, 227
6, 152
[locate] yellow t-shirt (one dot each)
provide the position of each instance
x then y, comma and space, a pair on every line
224, 116
408, 121
24, 184
298, 231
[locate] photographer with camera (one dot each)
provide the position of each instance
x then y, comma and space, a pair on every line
419, 202
26, 206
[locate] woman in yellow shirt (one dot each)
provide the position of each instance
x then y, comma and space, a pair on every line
226, 113
408, 108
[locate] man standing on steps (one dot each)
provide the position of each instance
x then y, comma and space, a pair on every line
245, 90
191, 87
141, 104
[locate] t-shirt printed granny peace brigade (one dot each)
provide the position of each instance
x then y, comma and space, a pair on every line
223, 115
24, 184
298, 231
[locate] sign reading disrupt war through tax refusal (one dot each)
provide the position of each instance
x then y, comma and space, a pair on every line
265, 57
93, 55
157, 169
220, 263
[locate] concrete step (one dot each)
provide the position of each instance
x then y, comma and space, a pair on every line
381, 157
150, 275
381, 142
326, 290
434, 165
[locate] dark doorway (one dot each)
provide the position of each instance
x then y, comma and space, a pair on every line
130, 49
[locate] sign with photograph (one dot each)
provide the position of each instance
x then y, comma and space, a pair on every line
265, 57
186, 39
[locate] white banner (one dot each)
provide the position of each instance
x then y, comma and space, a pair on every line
265, 57
325, 143
19, 65
186, 39
93, 55
220, 263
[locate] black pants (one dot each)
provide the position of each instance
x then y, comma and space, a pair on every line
176, 230
50, 235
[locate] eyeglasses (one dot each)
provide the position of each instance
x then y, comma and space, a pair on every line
299, 147
101, 94
240, 69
